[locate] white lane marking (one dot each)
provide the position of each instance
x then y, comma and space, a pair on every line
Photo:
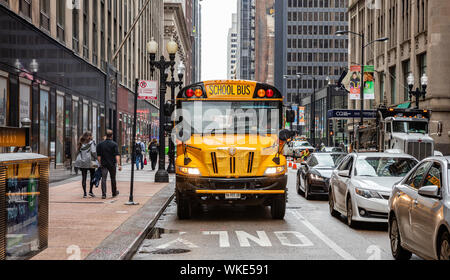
262, 239
341, 252
283, 237
224, 241
180, 240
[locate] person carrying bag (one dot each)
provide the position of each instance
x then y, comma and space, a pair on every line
87, 161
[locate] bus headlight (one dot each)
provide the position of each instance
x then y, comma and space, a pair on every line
190, 171
274, 170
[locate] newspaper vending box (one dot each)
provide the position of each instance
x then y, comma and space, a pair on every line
24, 181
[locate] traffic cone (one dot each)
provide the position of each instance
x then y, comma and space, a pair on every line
295, 166
290, 163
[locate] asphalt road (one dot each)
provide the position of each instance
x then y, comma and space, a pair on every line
308, 232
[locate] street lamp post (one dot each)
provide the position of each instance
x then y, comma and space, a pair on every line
173, 84
417, 93
162, 176
313, 114
362, 36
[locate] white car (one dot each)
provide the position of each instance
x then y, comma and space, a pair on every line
299, 146
361, 185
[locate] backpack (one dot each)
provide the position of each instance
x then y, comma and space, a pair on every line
153, 149
138, 149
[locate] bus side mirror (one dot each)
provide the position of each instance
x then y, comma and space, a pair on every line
285, 135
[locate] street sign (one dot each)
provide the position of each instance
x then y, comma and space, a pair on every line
351, 114
148, 90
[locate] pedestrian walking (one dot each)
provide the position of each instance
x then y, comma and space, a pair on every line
86, 160
153, 149
139, 151
109, 159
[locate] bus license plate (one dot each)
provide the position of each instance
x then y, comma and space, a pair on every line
232, 196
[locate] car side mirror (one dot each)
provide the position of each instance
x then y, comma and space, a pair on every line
344, 173
430, 191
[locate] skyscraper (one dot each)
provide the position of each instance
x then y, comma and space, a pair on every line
232, 48
246, 40
305, 43
264, 41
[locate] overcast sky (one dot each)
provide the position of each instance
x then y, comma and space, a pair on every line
216, 20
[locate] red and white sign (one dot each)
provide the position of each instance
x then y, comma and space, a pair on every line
148, 90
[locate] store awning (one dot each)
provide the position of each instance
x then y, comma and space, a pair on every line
406, 105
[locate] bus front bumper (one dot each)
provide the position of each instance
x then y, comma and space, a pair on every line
253, 190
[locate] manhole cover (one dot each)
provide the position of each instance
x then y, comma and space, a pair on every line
169, 251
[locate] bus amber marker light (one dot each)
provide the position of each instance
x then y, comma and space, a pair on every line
261, 93
198, 92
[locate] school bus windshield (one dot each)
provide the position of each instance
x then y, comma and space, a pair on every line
232, 117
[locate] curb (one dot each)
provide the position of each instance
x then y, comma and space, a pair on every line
125, 240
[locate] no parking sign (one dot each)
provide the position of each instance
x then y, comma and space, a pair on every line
148, 90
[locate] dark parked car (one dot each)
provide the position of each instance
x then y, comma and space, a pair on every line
314, 174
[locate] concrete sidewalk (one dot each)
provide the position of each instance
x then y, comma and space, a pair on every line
78, 226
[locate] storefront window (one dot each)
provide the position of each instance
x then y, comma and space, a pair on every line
3, 100
24, 102
94, 122
75, 118
59, 129
85, 117
43, 123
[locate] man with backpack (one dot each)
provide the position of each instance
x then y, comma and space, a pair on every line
139, 150
153, 150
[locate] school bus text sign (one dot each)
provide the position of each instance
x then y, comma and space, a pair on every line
222, 89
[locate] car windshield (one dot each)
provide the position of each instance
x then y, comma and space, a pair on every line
410, 127
384, 166
325, 160
302, 144
238, 117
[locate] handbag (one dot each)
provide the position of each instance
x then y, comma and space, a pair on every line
145, 161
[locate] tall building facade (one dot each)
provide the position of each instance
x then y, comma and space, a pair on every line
419, 36
265, 41
194, 25
246, 40
57, 69
176, 29
305, 43
232, 48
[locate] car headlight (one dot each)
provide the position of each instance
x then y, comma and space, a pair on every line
274, 170
367, 193
316, 177
190, 171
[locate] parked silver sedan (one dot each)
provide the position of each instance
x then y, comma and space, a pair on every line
361, 185
419, 212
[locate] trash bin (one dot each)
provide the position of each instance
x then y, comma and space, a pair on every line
24, 200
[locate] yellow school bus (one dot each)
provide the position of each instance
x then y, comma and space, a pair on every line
229, 146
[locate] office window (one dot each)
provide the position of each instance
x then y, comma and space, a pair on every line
60, 20
393, 86
406, 70
25, 8
44, 14
86, 29
75, 30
